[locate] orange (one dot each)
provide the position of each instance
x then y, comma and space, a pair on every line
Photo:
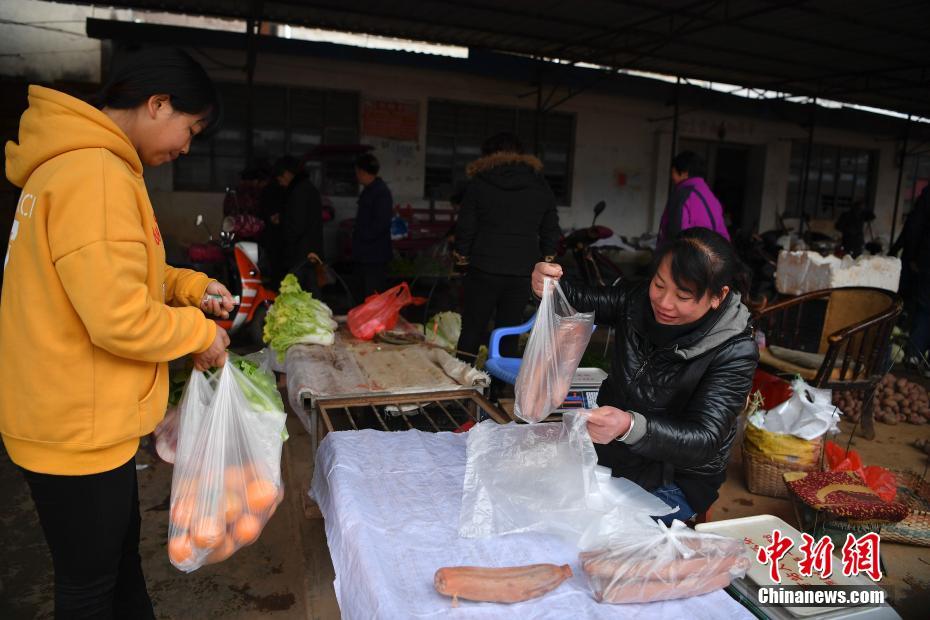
260, 495
223, 551
247, 529
208, 532
235, 477
232, 506
181, 512
179, 549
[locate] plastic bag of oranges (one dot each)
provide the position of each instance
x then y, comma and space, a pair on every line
227, 472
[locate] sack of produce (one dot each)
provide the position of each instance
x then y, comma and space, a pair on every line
559, 338
227, 473
296, 317
380, 311
644, 561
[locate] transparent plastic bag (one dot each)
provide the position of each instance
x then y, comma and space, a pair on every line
542, 478
166, 435
227, 473
559, 338
644, 561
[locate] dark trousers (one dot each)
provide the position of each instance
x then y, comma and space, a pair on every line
373, 278
91, 524
487, 295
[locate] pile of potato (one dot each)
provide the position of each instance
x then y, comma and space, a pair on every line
896, 400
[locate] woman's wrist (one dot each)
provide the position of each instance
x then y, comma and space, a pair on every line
625, 432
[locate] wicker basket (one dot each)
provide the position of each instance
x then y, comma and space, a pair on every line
765, 476
915, 529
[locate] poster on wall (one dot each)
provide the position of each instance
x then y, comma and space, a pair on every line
395, 120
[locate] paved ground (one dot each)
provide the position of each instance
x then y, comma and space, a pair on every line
288, 574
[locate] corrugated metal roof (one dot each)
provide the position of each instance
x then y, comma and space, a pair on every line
873, 53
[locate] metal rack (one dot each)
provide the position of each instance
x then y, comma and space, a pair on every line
431, 412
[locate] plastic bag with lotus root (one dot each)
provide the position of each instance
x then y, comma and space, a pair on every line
559, 338
643, 561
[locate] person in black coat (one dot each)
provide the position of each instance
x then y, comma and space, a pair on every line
681, 371
371, 236
301, 219
915, 278
507, 222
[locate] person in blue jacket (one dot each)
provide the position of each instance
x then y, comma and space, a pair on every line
371, 237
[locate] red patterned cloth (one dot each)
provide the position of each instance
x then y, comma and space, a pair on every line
843, 494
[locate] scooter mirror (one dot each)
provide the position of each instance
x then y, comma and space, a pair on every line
199, 220
599, 208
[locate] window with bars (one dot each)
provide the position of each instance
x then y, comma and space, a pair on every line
837, 178
455, 131
285, 120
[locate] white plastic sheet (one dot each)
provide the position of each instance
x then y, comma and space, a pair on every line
559, 338
227, 474
808, 414
390, 503
543, 478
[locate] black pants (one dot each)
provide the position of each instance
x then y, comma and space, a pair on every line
373, 279
487, 295
91, 524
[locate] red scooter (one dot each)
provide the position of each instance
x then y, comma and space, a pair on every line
235, 264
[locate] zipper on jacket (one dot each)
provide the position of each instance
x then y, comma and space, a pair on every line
649, 357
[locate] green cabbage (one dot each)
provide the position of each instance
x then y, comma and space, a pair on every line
296, 317
444, 330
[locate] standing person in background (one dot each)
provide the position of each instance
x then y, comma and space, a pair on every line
915, 278
507, 223
91, 314
271, 206
301, 219
691, 204
851, 225
371, 237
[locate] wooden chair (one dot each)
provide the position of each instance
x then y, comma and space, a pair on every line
846, 330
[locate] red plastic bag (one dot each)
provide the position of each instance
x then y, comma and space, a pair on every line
876, 478
380, 311
775, 390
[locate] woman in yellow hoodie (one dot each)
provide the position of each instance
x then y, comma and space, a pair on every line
91, 314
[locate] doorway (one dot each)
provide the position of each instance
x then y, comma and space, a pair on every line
734, 175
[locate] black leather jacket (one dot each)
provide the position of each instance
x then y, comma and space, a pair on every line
688, 393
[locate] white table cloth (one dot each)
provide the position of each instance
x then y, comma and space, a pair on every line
391, 503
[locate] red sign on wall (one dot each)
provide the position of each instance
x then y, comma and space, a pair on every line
395, 120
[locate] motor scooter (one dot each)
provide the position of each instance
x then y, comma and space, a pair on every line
236, 266
587, 259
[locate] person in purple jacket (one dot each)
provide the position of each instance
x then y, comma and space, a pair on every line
691, 204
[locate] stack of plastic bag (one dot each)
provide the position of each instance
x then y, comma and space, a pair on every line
227, 473
543, 478
559, 338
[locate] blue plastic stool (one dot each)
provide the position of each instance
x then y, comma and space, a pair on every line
505, 369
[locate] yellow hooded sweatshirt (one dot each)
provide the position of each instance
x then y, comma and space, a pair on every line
90, 311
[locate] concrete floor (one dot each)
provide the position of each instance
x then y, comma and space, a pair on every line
288, 573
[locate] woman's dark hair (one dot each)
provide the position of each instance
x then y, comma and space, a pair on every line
136, 76
368, 163
704, 261
690, 162
287, 163
504, 142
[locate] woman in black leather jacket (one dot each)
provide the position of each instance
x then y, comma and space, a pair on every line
681, 370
